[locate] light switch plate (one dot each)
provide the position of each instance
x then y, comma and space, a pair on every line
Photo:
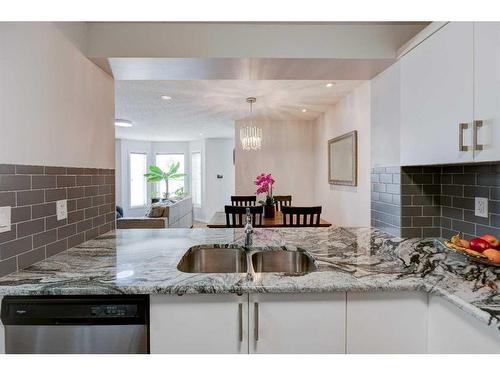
5, 219
62, 209
481, 208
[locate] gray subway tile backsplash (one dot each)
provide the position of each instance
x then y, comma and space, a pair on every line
36, 233
438, 201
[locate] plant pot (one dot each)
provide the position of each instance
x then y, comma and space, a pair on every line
269, 212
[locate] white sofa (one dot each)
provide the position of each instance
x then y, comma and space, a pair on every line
177, 215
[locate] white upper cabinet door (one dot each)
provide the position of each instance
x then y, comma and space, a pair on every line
199, 324
297, 323
487, 90
437, 96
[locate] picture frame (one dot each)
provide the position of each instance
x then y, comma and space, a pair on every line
343, 159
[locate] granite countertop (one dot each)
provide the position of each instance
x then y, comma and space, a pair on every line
349, 259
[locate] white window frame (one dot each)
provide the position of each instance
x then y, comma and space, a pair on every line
173, 153
201, 179
129, 182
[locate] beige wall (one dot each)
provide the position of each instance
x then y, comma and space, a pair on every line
248, 40
287, 152
342, 205
56, 106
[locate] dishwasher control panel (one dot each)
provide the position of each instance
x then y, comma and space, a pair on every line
109, 311
102, 310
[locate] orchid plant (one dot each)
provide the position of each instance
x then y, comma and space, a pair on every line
264, 183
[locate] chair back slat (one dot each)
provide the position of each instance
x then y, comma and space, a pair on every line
282, 200
301, 216
243, 200
235, 216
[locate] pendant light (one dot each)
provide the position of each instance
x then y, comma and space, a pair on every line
251, 136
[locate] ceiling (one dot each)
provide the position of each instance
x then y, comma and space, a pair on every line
208, 108
164, 69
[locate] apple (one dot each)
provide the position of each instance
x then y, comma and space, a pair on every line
479, 245
492, 240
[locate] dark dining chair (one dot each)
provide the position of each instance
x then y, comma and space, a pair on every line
243, 200
301, 216
235, 216
282, 200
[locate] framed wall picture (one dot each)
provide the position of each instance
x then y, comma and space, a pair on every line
343, 160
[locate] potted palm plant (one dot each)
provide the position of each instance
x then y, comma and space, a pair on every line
264, 184
156, 174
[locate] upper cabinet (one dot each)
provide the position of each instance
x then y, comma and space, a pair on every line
487, 90
437, 87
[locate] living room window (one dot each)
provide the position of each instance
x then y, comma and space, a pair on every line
138, 187
196, 178
164, 161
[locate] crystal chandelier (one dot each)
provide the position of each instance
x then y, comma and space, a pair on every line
251, 136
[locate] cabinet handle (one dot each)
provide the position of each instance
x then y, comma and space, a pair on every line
240, 316
461, 127
475, 146
256, 323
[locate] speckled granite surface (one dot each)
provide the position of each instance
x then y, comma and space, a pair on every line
361, 259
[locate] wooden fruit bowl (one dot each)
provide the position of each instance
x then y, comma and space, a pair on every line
470, 254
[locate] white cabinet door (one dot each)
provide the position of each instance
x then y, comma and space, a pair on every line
453, 331
209, 323
436, 96
297, 323
487, 89
386, 322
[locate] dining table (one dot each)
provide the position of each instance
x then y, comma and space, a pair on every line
219, 221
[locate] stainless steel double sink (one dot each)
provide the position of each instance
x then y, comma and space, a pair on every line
200, 259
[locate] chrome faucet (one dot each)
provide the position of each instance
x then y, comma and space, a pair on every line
248, 229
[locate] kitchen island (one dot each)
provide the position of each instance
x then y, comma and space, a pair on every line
353, 263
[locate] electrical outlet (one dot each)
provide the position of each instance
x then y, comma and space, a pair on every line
5, 219
481, 208
62, 209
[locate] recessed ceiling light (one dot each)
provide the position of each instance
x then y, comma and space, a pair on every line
330, 84
166, 97
123, 123
304, 110
201, 133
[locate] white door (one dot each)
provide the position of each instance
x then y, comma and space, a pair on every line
297, 323
487, 89
437, 96
202, 323
386, 323
453, 331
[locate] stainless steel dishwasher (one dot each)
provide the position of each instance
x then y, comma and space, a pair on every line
76, 324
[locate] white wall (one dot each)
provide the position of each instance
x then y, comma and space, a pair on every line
118, 173
218, 161
287, 153
199, 146
386, 117
56, 106
344, 205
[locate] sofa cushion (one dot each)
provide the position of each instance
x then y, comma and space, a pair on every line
156, 210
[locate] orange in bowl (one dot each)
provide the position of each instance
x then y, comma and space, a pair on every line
493, 255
